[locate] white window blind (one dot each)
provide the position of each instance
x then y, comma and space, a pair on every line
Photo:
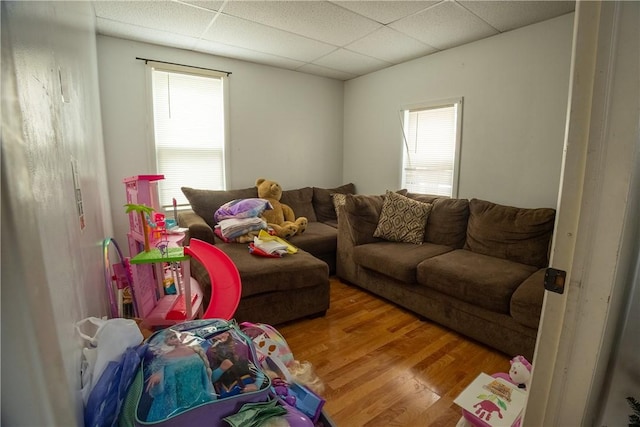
431, 149
188, 119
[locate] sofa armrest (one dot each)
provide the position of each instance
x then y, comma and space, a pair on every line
198, 227
526, 301
345, 266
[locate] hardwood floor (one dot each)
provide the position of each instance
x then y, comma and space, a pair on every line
383, 366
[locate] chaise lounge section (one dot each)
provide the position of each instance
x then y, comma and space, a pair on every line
274, 290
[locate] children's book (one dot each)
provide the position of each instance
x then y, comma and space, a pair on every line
492, 401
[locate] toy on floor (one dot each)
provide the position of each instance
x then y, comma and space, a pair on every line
299, 397
162, 289
519, 373
295, 383
276, 357
486, 412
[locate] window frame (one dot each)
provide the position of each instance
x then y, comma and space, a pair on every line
151, 143
458, 103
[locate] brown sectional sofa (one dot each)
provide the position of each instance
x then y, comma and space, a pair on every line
274, 290
479, 270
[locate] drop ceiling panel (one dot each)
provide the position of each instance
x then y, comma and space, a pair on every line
445, 25
508, 15
338, 39
210, 5
386, 12
169, 17
351, 62
326, 72
250, 35
147, 35
219, 49
319, 20
391, 46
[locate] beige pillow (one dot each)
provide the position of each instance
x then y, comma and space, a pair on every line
402, 219
338, 200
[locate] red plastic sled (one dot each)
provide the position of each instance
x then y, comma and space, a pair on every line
226, 286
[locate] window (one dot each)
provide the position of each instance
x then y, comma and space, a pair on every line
431, 135
189, 130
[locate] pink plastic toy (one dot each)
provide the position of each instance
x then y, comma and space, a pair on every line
150, 271
519, 374
226, 286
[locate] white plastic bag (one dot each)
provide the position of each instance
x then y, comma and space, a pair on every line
106, 341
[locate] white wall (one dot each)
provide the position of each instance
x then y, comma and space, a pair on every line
284, 125
52, 273
515, 88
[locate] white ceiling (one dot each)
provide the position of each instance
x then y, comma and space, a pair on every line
336, 39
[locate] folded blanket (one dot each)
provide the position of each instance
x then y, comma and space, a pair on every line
234, 227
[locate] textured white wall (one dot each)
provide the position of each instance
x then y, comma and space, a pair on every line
515, 88
284, 125
52, 272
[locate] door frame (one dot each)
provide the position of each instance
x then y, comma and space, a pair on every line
595, 212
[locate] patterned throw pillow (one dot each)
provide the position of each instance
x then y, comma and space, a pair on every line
402, 219
338, 200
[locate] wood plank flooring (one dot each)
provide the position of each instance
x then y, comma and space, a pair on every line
383, 366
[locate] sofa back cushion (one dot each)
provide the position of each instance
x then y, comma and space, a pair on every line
517, 234
301, 201
447, 223
205, 203
323, 204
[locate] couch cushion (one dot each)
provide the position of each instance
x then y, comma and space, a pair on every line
318, 238
323, 204
260, 274
206, 202
447, 224
526, 302
363, 212
517, 234
478, 279
425, 198
300, 200
397, 260
402, 219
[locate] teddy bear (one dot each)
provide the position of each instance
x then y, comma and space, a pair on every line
281, 218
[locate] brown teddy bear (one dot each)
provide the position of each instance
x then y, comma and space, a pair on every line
281, 218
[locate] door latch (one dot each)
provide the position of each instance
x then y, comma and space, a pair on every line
554, 280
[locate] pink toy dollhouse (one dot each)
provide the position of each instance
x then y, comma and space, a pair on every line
166, 263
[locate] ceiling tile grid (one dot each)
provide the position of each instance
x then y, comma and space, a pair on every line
166, 16
386, 12
336, 39
444, 26
319, 20
234, 31
390, 45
